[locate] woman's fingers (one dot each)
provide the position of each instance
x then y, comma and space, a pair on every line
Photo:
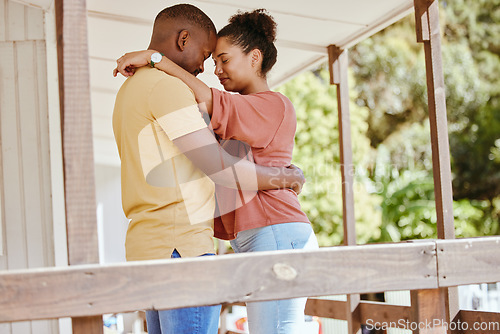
126, 64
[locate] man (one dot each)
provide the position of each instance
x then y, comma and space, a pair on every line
167, 151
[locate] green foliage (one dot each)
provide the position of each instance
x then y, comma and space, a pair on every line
317, 153
394, 191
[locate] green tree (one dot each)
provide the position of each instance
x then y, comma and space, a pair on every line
394, 197
472, 70
317, 153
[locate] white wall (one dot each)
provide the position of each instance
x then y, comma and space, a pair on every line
25, 168
112, 223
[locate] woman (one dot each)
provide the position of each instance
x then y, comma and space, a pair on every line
265, 120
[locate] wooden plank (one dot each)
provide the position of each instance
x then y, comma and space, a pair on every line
421, 20
324, 308
383, 313
87, 325
34, 24
438, 120
15, 251
27, 236
370, 312
44, 327
428, 32
92, 289
474, 322
44, 152
346, 163
81, 217
468, 261
56, 174
3, 264
3, 21
15, 21
30, 159
5, 328
15, 239
76, 117
21, 327
428, 311
339, 74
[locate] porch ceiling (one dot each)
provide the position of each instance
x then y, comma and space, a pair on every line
305, 29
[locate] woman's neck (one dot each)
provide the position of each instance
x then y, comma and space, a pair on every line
256, 86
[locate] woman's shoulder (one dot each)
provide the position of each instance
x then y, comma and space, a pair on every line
275, 97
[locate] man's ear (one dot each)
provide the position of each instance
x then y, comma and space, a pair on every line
183, 39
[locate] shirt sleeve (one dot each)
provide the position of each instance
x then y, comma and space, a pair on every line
174, 107
253, 119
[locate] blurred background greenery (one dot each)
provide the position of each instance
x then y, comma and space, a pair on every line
393, 187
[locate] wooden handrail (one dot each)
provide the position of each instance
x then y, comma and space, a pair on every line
92, 289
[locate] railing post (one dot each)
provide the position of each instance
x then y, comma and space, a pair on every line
76, 122
338, 62
428, 311
428, 33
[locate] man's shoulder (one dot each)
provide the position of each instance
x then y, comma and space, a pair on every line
148, 82
153, 76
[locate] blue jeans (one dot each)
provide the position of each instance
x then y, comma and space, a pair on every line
277, 316
188, 320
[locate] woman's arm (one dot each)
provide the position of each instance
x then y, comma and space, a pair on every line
127, 64
205, 153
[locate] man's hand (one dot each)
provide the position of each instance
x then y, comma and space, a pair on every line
127, 63
300, 179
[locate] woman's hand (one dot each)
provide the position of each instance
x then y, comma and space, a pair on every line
127, 64
299, 178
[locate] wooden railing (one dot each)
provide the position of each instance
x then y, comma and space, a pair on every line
427, 266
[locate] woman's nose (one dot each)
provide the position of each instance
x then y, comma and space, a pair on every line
217, 70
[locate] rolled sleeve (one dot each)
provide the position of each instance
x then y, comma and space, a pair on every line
253, 119
174, 107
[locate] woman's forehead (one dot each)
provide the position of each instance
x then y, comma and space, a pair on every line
223, 46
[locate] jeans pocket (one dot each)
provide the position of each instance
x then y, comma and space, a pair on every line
299, 243
307, 241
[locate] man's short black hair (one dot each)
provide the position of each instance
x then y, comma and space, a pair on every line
189, 13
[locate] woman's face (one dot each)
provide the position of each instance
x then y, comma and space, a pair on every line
233, 67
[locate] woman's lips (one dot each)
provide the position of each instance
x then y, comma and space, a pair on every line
223, 80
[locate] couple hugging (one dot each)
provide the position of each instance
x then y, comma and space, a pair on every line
180, 188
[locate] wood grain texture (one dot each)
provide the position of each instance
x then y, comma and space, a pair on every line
339, 75
428, 33
333, 309
370, 312
15, 21
3, 21
29, 120
34, 23
469, 261
92, 289
480, 322
76, 118
428, 310
441, 165
87, 325
25, 164
13, 182
77, 143
384, 313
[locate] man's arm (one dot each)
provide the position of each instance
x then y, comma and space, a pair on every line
127, 64
205, 152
